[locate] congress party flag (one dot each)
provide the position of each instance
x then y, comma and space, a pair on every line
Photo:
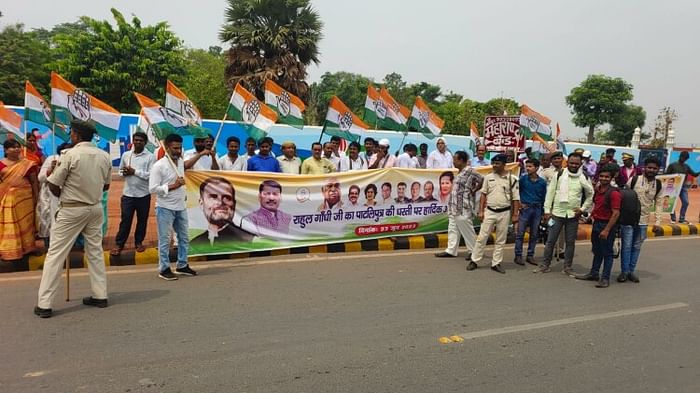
257, 117
532, 122
424, 120
340, 121
144, 126
396, 114
474, 131
289, 107
69, 103
10, 124
164, 121
177, 101
375, 110
36, 108
561, 146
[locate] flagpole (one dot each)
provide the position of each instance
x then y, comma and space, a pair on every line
170, 159
402, 140
221, 127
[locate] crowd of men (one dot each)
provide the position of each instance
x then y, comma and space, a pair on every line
547, 192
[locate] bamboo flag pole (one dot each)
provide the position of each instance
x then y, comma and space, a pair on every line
221, 127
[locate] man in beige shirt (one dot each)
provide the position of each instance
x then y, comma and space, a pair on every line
289, 162
83, 174
500, 204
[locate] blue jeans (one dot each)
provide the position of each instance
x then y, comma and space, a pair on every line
632, 238
529, 217
177, 220
602, 250
684, 203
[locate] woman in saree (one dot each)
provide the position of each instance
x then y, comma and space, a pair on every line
19, 190
33, 152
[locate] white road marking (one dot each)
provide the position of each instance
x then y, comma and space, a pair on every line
569, 321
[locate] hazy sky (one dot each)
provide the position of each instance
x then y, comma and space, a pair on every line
534, 52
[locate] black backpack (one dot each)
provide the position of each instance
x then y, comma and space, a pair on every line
630, 208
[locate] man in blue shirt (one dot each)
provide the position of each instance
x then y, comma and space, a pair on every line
264, 161
533, 190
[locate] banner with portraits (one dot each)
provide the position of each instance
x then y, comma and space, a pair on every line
670, 190
233, 212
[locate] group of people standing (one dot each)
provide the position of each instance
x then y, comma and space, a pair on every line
556, 197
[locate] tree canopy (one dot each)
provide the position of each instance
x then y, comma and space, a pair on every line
23, 56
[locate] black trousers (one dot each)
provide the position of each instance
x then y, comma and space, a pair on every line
130, 205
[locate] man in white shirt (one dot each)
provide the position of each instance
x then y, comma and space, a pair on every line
382, 158
369, 149
407, 159
289, 162
201, 157
232, 161
167, 181
250, 145
440, 158
353, 162
328, 154
135, 167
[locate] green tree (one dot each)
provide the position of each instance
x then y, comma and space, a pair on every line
204, 83
111, 63
23, 56
623, 124
271, 39
598, 100
350, 88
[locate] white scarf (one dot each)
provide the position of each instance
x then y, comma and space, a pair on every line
563, 196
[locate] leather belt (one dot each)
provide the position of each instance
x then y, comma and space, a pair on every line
501, 210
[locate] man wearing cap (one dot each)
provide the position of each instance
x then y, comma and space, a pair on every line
627, 171
201, 157
382, 158
289, 162
500, 204
589, 165
563, 206
440, 158
79, 180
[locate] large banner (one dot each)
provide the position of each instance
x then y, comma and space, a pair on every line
502, 133
232, 212
670, 189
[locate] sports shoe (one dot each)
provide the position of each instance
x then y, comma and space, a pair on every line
186, 271
43, 312
91, 301
167, 275
567, 271
686, 222
542, 269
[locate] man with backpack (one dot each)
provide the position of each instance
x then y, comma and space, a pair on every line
606, 211
569, 194
641, 193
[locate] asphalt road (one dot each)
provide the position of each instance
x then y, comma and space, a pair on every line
365, 322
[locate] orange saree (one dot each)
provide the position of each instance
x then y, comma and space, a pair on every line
16, 211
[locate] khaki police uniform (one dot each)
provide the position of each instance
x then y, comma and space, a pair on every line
499, 192
82, 174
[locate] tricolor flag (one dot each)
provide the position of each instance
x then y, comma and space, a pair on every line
541, 146
10, 124
164, 121
396, 114
244, 107
144, 126
177, 101
289, 107
475, 133
532, 122
561, 146
36, 109
340, 121
69, 103
375, 110
424, 120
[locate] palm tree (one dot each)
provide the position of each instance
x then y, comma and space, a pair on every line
271, 39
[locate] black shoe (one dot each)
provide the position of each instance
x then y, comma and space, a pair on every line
530, 260
632, 276
167, 275
603, 283
444, 255
519, 260
43, 312
622, 277
561, 255
468, 257
471, 266
91, 301
187, 271
498, 269
587, 277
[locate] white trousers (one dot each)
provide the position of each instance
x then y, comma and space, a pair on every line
70, 222
492, 220
460, 226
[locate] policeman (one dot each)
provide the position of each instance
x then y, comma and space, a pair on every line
500, 203
78, 181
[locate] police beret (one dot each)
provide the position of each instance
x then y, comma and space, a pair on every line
500, 158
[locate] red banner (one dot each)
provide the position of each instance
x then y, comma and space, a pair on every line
502, 133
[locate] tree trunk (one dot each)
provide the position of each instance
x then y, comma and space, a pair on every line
591, 133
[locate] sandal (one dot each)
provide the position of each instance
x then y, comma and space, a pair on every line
116, 252
140, 248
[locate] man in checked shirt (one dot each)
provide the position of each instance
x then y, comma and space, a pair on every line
461, 207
